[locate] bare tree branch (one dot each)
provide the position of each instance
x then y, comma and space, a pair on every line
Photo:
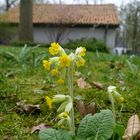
10, 3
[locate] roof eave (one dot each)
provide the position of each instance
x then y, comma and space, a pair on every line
94, 25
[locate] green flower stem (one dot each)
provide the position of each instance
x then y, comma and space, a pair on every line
114, 112
70, 90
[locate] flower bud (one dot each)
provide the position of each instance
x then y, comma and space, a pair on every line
111, 89
59, 98
68, 107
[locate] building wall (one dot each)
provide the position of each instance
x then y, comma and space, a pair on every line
63, 35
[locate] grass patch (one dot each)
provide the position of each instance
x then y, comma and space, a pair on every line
27, 80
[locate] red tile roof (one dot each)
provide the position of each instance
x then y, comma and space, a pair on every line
104, 14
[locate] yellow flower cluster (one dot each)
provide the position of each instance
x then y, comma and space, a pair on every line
58, 66
54, 49
62, 60
64, 108
81, 51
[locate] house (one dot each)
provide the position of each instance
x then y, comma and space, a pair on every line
120, 47
62, 23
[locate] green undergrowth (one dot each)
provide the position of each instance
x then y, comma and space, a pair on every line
27, 80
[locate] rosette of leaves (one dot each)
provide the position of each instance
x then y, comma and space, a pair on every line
97, 127
52, 134
93, 127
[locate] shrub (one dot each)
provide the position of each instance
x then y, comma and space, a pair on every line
91, 44
22, 43
7, 33
30, 44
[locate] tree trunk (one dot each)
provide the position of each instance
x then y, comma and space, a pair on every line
7, 5
26, 22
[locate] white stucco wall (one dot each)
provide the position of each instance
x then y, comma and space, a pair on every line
48, 34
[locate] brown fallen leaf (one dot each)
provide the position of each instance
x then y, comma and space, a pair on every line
83, 84
31, 108
86, 109
21, 103
98, 85
39, 127
133, 128
23, 107
138, 138
91, 108
81, 107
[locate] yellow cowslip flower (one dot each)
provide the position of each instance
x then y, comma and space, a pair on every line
121, 99
81, 51
80, 62
46, 64
64, 60
63, 115
54, 49
60, 81
54, 72
49, 101
64, 119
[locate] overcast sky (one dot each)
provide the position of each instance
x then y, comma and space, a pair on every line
116, 2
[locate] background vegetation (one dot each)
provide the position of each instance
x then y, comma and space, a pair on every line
91, 44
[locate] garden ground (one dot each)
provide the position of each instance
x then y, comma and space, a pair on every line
22, 77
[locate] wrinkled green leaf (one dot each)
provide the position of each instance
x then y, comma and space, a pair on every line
52, 134
97, 127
